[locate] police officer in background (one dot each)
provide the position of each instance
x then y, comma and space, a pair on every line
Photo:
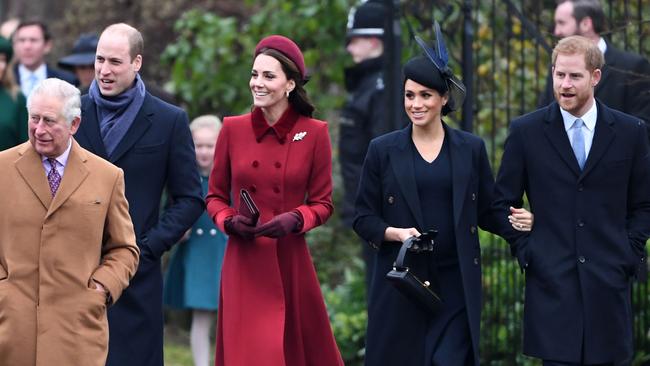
364, 115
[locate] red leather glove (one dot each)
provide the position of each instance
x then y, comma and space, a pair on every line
240, 225
281, 225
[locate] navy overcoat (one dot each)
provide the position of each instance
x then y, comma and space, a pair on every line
388, 196
590, 230
156, 154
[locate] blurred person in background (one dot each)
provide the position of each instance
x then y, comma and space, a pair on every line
32, 43
363, 116
81, 60
8, 27
194, 273
13, 118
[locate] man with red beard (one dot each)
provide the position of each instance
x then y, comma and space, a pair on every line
585, 169
625, 80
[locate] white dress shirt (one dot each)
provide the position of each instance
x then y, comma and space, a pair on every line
589, 119
29, 79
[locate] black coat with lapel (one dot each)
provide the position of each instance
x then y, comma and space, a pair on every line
388, 196
589, 233
156, 154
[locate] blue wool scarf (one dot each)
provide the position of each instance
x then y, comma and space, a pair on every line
116, 114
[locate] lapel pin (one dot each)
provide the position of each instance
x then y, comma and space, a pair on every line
299, 136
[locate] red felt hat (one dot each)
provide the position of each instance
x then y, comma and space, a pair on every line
287, 47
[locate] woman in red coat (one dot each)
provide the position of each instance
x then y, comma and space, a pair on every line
271, 309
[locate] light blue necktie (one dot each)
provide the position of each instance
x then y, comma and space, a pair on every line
578, 142
32, 80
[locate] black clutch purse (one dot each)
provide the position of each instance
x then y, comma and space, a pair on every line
418, 291
247, 206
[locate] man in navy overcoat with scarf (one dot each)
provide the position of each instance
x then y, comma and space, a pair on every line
151, 141
585, 170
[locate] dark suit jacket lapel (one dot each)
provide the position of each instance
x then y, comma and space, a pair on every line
461, 164
75, 173
138, 128
557, 136
603, 136
90, 129
610, 62
30, 167
401, 161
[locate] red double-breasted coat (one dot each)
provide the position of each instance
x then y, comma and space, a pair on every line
271, 309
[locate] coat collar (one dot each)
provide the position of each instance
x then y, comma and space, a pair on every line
401, 160
281, 128
30, 168
141, 124
557, 136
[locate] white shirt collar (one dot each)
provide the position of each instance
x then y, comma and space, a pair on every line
602, 45
589, 118
40, 72
63, 158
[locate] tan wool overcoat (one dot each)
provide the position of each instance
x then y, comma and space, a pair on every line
51, 250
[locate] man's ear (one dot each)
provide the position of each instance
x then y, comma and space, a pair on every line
74, 125
586, 25
137, 63
48, 46
595, 77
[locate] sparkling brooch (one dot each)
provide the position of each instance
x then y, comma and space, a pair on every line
299, 136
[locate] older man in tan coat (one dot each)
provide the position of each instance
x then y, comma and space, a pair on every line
67, 247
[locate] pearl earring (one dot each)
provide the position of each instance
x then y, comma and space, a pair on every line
287, 94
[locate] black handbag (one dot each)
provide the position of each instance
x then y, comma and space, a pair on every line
416, 290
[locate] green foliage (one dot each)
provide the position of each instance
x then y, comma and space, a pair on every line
212, 56
347, 307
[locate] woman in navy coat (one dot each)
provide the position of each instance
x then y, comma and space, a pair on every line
426, 176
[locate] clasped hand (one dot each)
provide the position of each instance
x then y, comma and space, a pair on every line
279, 226
424, 242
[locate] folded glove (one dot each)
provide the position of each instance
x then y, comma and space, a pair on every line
281, 225
240, 225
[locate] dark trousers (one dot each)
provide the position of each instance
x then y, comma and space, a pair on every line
454, 347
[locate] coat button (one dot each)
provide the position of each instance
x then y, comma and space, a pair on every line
276, 189
391, 200
278, 164
581, 259
581, 224
473, 196
255, 163
252, 188
472, 229
476, 261
581, 188
199, 231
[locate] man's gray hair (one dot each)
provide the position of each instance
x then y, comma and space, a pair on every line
63, 90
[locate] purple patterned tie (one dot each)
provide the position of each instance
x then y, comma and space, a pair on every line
53, 177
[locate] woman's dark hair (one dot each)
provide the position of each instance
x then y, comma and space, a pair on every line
298, 97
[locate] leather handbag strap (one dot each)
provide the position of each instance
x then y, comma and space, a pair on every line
399, 262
